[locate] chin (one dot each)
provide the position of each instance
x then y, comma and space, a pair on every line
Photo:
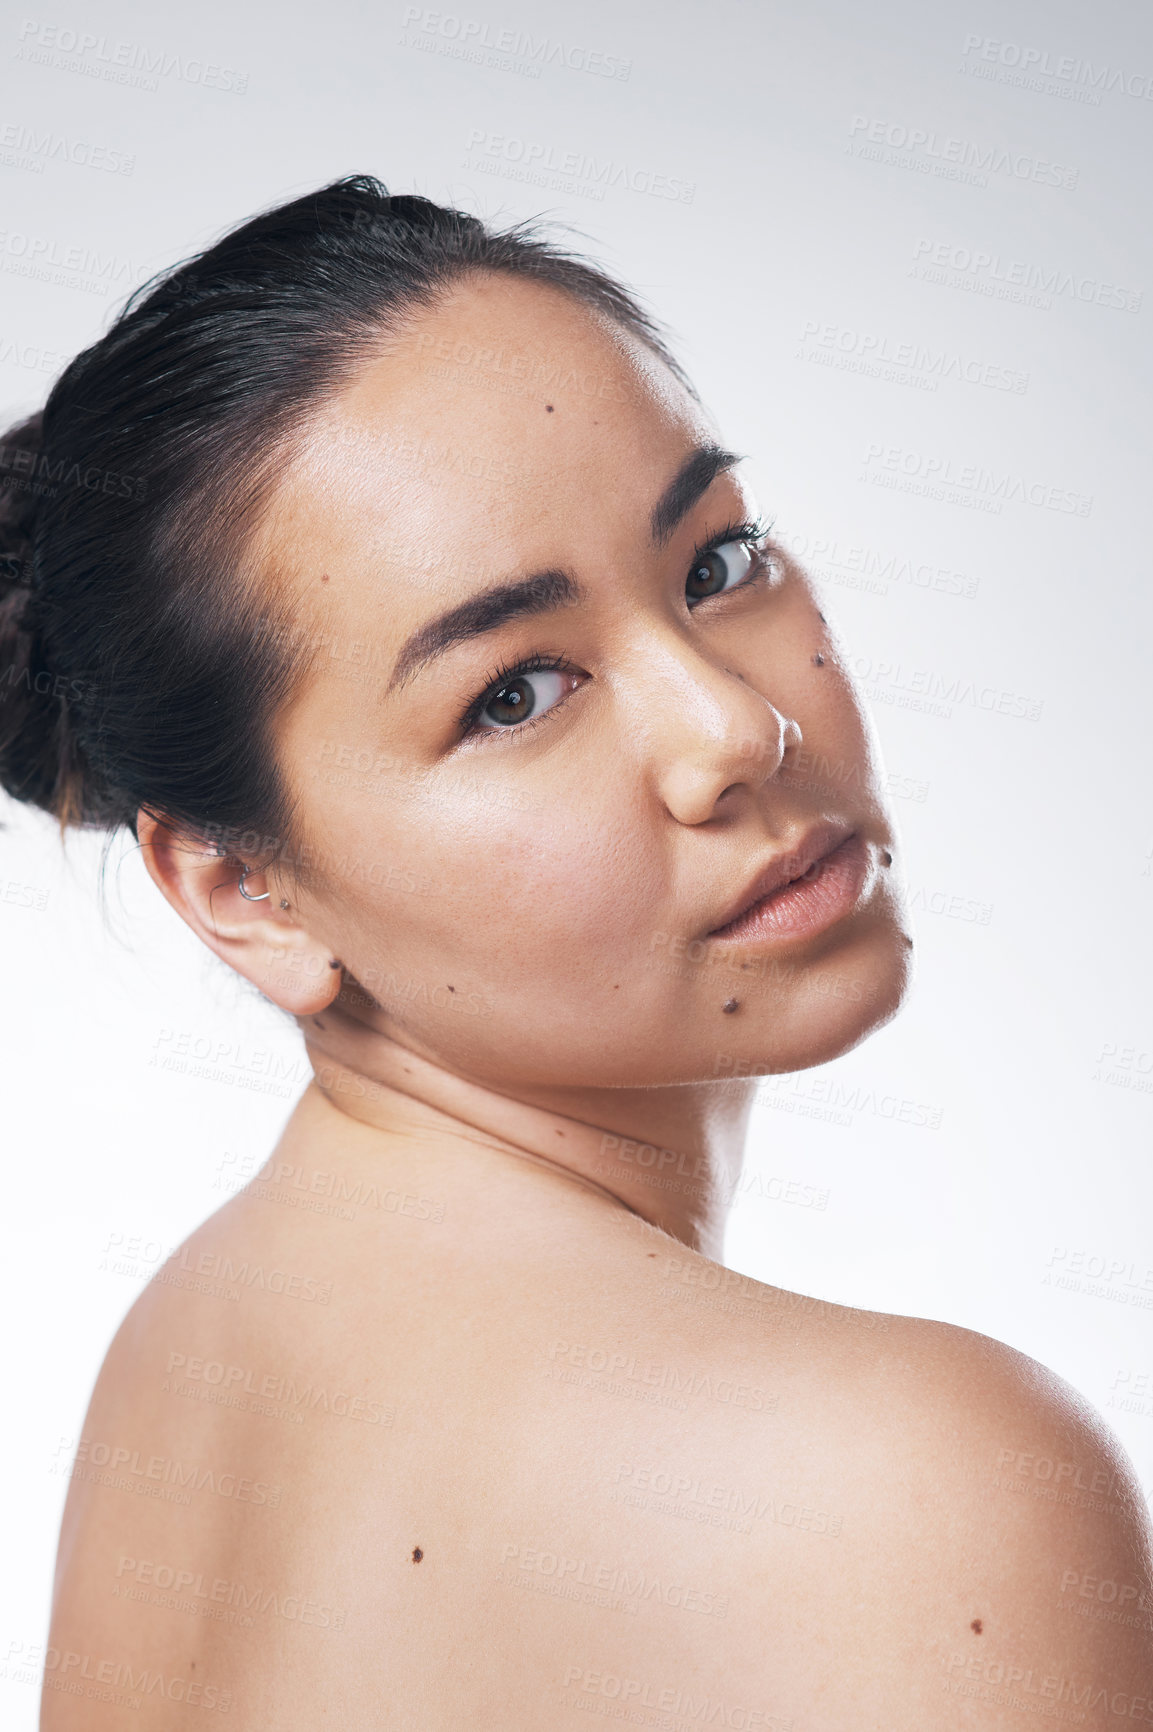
835, 1004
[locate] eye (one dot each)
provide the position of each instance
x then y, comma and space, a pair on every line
528, 693
717, 569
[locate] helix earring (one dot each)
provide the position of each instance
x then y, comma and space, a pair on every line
247, 896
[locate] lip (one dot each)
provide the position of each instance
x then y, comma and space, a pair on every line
805, 891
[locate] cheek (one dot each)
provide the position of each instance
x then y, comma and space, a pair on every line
521, 880
831, 707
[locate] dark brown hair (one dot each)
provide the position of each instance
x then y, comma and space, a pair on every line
138, 668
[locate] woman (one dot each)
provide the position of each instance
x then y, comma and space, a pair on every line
386, 576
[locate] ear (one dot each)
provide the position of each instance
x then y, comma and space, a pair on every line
267, 943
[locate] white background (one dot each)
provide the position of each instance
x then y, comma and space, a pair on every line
791, 272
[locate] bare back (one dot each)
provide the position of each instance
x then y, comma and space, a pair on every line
475, 1452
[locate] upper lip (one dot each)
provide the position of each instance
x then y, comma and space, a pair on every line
782, 868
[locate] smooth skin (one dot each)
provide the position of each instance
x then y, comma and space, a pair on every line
494, 1439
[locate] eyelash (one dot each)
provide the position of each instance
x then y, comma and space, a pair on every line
753, 532
534, 664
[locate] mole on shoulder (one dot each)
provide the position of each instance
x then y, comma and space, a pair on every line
548, 406
818, 661
730, 1005
417, 1554
976, 1626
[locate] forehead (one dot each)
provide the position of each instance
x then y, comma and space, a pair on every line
500, 419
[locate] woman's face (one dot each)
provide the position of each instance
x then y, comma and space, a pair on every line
531, 812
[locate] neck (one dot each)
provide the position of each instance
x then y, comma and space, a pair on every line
670, 1155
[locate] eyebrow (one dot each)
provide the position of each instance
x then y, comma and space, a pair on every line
694, 477
547, 590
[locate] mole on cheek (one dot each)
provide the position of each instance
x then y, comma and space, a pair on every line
818, 661
730, 1005
976, 1626
548, 407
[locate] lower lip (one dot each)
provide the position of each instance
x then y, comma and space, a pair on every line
829, 891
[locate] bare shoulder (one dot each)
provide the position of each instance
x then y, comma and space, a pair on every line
998, 1520
1006, 1433
964, 1528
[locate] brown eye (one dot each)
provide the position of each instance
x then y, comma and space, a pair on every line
528, 694
719, 569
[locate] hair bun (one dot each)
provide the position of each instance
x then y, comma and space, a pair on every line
39, 756
20, 450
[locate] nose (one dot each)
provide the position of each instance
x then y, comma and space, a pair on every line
718, 738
